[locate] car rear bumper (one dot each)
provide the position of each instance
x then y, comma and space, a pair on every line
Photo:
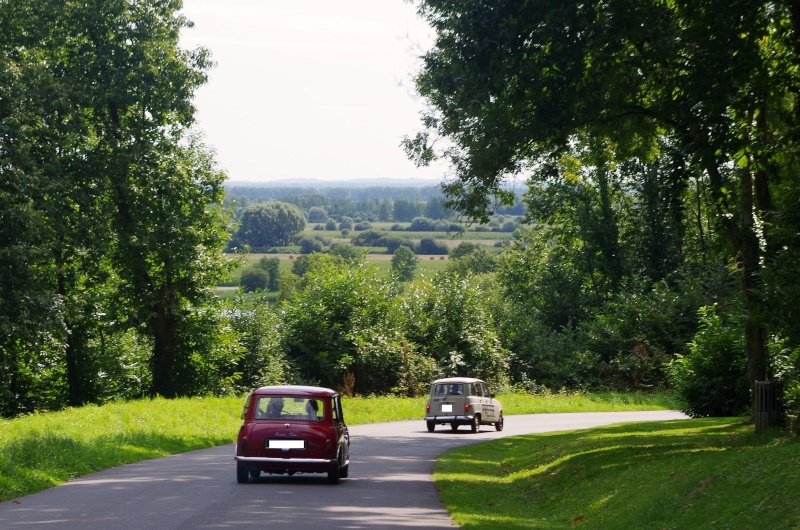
449, 419
285, 461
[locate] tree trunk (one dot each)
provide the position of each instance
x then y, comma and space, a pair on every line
163, 361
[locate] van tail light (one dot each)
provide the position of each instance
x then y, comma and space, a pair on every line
427, 408
466, 407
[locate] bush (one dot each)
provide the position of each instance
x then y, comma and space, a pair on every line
309, 245
428, 246
711, 380
254, 279
368, 238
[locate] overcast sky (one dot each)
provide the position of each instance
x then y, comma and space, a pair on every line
310, 88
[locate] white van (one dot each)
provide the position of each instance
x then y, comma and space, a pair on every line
462, 401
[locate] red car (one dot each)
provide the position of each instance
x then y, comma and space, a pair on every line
293, 429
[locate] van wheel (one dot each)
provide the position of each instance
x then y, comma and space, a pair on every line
499, 423
476, 423
431, 426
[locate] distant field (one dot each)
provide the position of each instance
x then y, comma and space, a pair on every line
452, 239
427, 265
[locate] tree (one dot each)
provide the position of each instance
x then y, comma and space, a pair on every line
405, 210
254, 279
271, 265
269, 224
338, 313
513, 86
129, 197
430, 246
450, 319
404, 263
317, 214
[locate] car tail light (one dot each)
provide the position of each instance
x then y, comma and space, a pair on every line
427, 408
466, 407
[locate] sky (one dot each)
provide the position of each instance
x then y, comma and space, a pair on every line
311, 89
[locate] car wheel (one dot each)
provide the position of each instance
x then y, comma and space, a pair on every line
454, 426
499, 423
242, 474
344, 471
334, 474
431, 426
476, 423
255, 473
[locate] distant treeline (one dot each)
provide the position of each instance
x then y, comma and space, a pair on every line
369, 203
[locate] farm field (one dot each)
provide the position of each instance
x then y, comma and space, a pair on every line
428, 265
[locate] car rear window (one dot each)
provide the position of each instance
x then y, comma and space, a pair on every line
289, 408
451, 389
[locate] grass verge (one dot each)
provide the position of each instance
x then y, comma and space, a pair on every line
700, 473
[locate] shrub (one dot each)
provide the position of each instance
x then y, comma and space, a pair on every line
711, 379
254, 279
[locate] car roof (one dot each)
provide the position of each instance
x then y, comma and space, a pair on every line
295, 390
450, 380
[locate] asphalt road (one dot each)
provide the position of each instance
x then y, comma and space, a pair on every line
390, 485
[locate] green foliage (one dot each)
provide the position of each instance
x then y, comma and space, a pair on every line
349, 253
254, 279
367, 238
478, 260
450, 319
270, 224
271, 265
259, 335
121, 198
711, 379
429, 246
404, 263
682, 153
309, 245
336, 310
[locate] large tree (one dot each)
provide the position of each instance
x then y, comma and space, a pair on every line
513, 86
97, 142
269, 224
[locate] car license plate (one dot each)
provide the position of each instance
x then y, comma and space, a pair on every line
447, 408
286, 444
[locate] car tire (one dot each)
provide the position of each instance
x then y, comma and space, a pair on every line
431, 426
475, 425
344, 471
242, 474
499, 423
255, 473
454, 426
334, 474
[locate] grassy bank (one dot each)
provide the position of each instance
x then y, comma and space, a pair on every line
700, 473
43, 450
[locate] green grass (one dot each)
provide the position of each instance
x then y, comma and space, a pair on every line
700, 473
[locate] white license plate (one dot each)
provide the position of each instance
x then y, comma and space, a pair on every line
286, 444
447, 408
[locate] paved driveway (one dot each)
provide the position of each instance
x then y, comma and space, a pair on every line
389, 486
